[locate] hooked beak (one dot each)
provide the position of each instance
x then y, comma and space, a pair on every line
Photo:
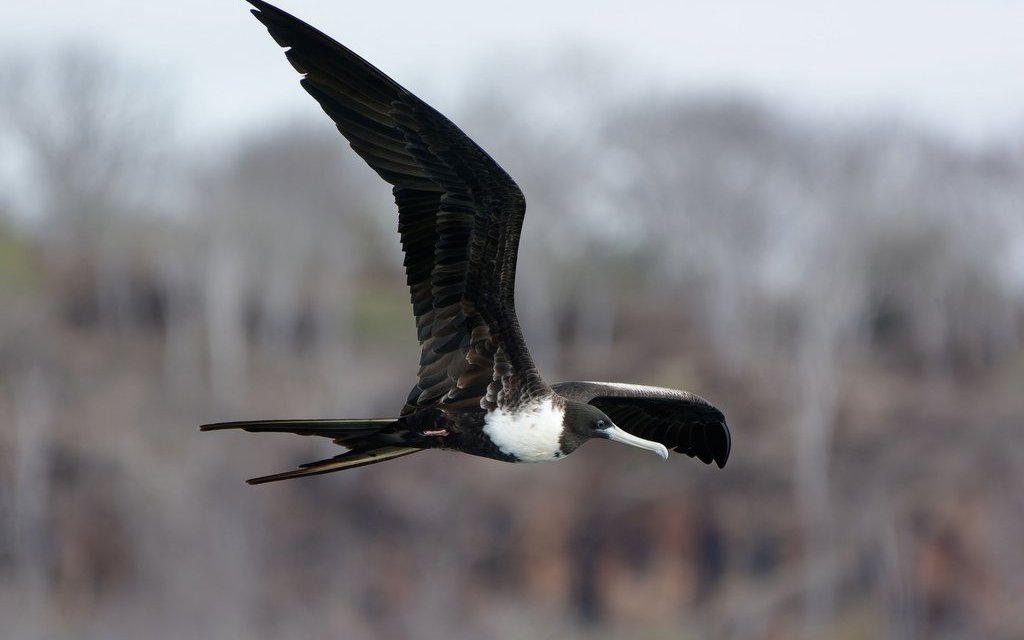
616, 434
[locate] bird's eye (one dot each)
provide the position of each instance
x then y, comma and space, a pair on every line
600, 423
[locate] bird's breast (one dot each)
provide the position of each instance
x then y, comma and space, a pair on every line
531, 433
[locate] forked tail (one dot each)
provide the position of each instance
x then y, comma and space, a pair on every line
368, 441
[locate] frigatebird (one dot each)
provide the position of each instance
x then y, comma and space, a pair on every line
460, 217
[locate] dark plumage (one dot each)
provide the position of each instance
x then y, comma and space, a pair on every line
460, 217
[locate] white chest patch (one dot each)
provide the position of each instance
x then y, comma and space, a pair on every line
531, 434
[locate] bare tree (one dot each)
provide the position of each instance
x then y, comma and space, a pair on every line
93, 138
287, 226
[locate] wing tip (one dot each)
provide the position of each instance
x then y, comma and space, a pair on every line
709, 442
260, 5
720, 442
261, 9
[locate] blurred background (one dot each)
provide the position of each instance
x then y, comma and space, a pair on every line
812, 216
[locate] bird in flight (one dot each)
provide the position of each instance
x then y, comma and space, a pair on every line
460, 217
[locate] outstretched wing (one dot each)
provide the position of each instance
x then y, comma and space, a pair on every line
679, 420
459, 216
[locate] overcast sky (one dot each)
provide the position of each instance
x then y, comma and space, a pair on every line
955, 64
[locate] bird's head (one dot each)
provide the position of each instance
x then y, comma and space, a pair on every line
584, 421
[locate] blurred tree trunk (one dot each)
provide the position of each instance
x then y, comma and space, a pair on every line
30, 519
815, 425
224, 286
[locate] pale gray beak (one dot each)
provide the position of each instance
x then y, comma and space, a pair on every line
618, 435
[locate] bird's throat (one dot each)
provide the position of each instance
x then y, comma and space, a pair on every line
531, 433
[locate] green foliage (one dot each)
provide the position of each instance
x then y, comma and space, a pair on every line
19, 262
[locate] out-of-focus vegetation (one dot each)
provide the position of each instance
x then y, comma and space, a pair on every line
852, 297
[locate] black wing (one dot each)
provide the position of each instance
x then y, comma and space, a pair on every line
679, 420
460, 217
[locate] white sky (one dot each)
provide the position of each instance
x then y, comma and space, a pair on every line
955, 64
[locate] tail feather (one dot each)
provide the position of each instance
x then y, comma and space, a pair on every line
348, 460
370, 441
323, 428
